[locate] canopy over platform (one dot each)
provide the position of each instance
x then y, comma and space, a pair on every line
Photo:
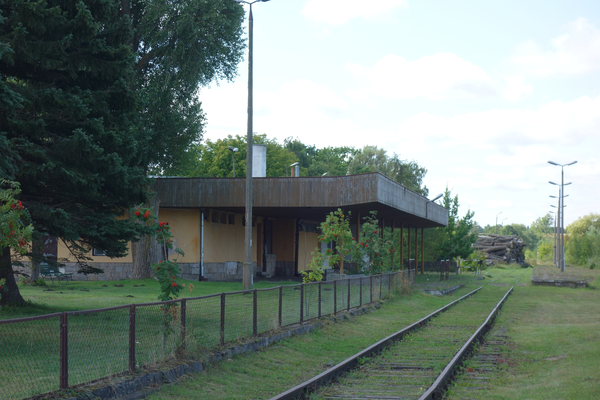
308, 198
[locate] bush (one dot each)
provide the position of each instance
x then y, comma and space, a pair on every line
473, 262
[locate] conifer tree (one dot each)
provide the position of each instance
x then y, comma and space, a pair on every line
67, 113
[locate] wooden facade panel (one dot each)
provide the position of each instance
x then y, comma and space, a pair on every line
296, 196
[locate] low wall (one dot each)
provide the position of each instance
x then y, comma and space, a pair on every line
120, 271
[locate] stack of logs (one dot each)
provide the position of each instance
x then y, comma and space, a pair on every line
499, 248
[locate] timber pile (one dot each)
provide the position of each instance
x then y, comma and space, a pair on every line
501, 248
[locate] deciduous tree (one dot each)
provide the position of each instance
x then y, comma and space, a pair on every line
374, 159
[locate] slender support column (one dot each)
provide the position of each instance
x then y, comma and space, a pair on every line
402, 246
422, 252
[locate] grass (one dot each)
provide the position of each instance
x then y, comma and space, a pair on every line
98, 342
554, 336
265, 373
431, 280
88, 295
555, 343
543, 323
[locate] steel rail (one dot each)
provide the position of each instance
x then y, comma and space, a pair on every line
349, 363
435, 390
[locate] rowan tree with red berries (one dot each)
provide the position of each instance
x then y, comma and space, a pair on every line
15, 234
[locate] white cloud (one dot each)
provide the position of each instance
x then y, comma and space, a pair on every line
337, 12
498, 203
516, 88
574, 52
437, 77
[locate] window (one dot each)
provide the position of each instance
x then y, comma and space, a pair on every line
231, 219
98, 252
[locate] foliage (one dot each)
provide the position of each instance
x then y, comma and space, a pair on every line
15, 233
179, 47
376, 246
458, 236
583, 244
472, 262
166, 269
406, 173
67, 113
214, 159
332, 161
335, 230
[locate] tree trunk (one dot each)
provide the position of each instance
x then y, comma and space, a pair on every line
37, 250
146, 251
10, 290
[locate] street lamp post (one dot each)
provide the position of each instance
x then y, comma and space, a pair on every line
248, 277
233, 151
561, 210
497, 221
431, 201
555, 236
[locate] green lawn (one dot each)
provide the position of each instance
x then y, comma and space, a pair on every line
80, 295
554, 349
554, 336
99, 341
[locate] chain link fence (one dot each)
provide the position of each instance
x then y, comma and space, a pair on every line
42, 354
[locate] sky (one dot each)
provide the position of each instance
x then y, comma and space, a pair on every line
482, 94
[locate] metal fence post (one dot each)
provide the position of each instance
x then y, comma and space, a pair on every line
442, 270
254, 314
319, 299
183, 322
64, 351
360, 291
348, 294
334, 297
301, 302
132, 338
371, 289
280, 303
222, 319
380, 278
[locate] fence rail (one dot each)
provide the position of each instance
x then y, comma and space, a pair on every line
57, 351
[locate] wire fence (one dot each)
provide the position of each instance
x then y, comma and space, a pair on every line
43, 354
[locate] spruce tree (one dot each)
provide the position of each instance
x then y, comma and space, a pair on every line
67, 122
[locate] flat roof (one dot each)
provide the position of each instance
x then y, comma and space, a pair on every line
310, 198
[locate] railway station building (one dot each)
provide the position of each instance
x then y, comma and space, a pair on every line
206, 216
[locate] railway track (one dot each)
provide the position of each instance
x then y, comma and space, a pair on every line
414, 363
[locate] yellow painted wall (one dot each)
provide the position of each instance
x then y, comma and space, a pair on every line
63, 253
225, 242
309, 241
185, 228
284, 236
